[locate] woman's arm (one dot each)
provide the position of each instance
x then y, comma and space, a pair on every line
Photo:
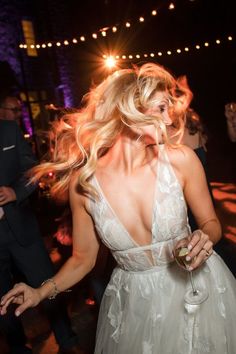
200, 202
85, 250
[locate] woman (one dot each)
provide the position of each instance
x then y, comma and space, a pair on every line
129, 190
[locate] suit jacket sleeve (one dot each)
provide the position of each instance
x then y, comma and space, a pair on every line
26, 161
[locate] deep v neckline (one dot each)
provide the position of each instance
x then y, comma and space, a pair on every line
115, 214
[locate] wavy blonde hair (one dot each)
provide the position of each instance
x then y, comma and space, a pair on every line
120, 101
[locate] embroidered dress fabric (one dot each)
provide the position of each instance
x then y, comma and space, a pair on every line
143, 309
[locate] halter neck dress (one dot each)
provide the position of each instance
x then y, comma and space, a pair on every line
143, 309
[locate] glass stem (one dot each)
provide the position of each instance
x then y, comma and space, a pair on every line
195, 292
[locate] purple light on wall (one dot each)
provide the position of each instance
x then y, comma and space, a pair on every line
27, 121
68, 100
65, 89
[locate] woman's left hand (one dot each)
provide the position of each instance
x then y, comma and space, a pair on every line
201, 248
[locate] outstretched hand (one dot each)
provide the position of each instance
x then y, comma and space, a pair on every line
21, 294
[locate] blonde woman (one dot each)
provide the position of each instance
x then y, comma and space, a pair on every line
128, 190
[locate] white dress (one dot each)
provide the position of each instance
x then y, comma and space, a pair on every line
143, 309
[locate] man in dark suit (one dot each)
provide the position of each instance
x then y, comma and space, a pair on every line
20, 241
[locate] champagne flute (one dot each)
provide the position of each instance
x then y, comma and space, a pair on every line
195, 295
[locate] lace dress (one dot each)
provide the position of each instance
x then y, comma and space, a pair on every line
143, 309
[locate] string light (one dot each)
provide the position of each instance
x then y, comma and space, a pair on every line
114, 29
104, 30
169, 52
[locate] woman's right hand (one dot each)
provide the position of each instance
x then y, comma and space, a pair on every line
23, 295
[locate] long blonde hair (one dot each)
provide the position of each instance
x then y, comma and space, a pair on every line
79, 139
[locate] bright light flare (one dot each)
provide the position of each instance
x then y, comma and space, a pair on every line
110, 62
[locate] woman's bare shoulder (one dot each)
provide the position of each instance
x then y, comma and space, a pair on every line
182, 157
